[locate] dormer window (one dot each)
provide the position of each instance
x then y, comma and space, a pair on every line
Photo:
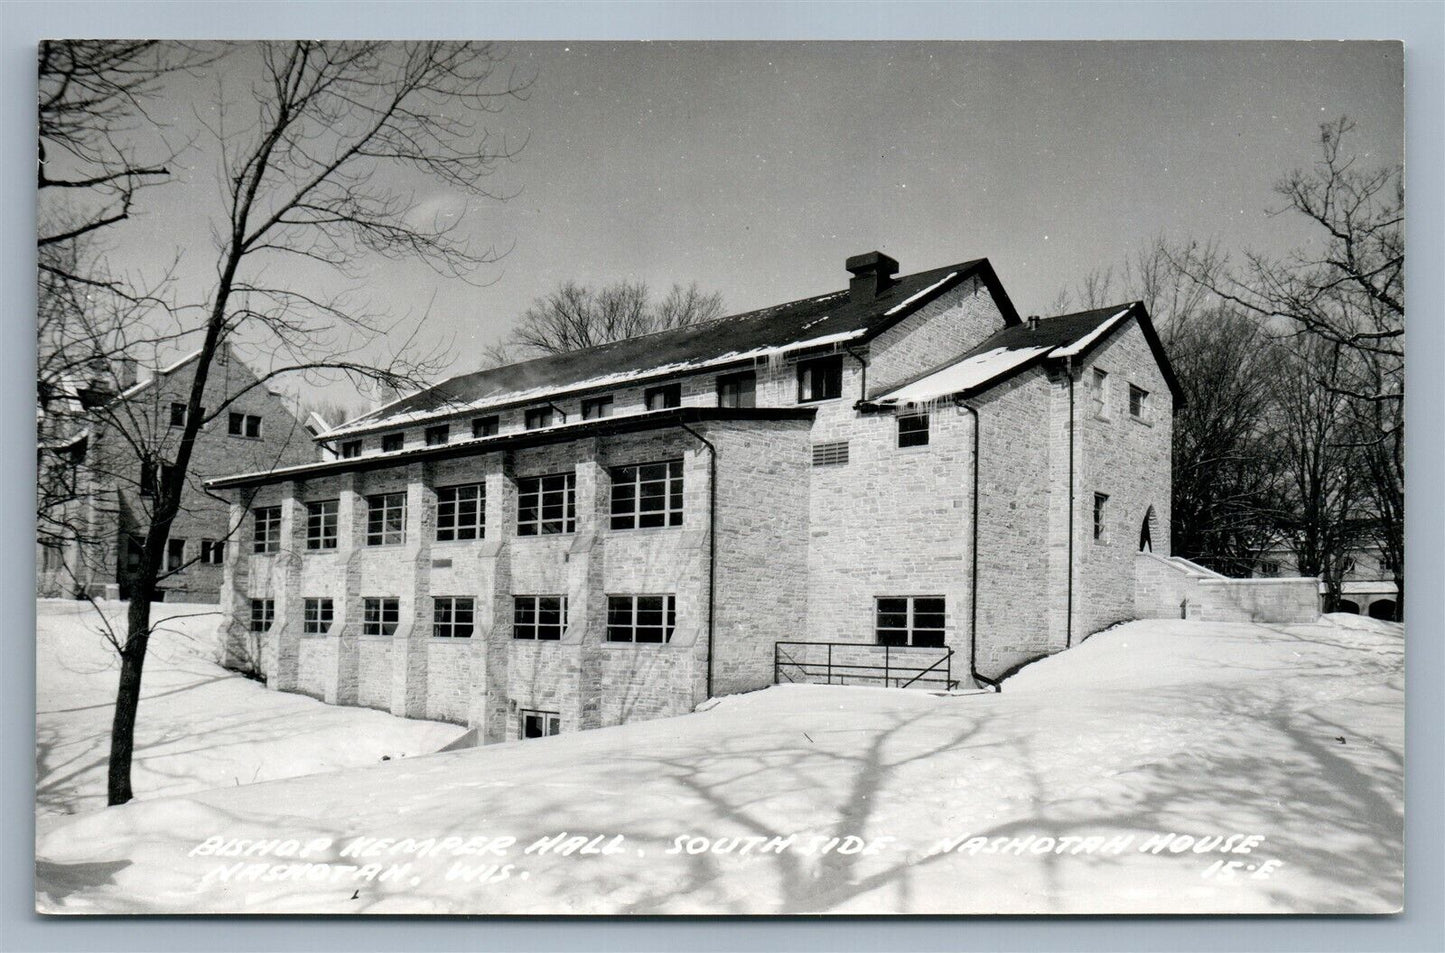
595, 408
737, 390
663, 396
820, 378
539, 417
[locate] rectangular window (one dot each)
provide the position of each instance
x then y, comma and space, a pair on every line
263, 613
1101, 392
641, 618
134, 553
213, 552
595, 408
913, 430
317, 616
266, 532
380, 615
386, 519
350, 448
178, 414
830, 454
547, 505
648, 494
392, 442
820, 378
538, 724
662, 397
244, 425
461, 512
175, 554
737, 390
438, 435
1138, 401
321, 524
540, 618
485, 426
148, 479
1101, 502
452, 617
910, 620
539, 417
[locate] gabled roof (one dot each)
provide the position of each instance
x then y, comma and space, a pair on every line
810, 322
1020, 346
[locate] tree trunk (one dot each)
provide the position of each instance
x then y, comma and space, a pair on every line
127, 697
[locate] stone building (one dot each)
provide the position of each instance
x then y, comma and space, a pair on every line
95, 436
899, 483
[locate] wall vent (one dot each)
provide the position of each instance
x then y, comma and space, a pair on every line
830, 454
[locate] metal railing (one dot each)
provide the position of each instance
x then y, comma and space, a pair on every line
901, 666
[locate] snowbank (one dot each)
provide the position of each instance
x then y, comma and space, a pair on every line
1089, 785
199, 726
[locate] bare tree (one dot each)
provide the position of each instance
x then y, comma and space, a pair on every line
1319, 460
319, 157
575, 316
1227, 493
1346, 288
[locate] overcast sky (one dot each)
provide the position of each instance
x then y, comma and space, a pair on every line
755, 169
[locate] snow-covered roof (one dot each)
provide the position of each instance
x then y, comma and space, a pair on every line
1011, 350
834, 319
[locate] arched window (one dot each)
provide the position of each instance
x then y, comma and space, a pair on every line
1383, 609
1146, 537
1347, 605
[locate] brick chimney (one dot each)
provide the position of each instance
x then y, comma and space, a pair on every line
872, 275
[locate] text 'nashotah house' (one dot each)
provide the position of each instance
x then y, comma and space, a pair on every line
899, 483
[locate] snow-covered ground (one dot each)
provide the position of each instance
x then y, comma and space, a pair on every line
1277, 747
199, 726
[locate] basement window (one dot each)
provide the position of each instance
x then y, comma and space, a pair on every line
547, 505
830, 454
461, 512
539, 618
263, 613
820, 378
738, 390
538, 724
910, 620
663, 397
641, 618
438, 435
485, 426
647, 495
321, 525
1101, 504
380, 615
913, 430
317, 615
452, 617
386, 519
266, 530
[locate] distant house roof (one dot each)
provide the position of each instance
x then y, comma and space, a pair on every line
1020, 346
819, 321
